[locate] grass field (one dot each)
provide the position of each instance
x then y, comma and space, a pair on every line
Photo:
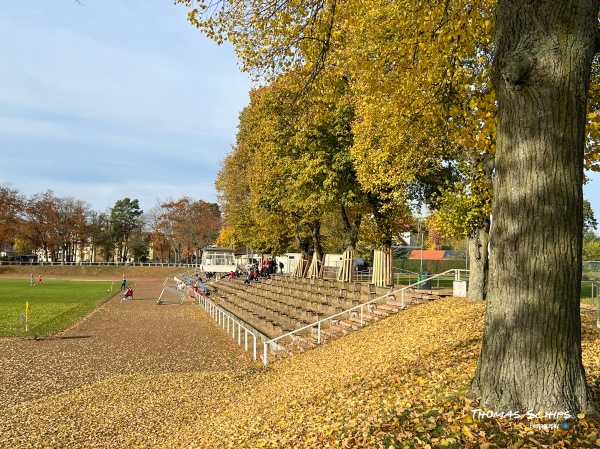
54, 306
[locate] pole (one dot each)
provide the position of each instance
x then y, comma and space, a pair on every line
421, 235
467, 254
421, 270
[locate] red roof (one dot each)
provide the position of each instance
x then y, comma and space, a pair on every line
428, 254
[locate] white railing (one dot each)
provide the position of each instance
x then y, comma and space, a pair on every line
359, 309
82, 263
228, 322
593, 286
400, 275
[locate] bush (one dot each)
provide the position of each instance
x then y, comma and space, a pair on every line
431, 266
591, 250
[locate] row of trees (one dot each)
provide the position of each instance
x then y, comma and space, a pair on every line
179, 229
291, 180
476, 108
66, 229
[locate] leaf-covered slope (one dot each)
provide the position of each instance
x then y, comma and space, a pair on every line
398, 383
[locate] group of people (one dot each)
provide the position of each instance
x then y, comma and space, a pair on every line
272, 265
254, 273
236, 274
128, 290
32, 283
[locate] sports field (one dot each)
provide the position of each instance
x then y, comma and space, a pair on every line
53, 306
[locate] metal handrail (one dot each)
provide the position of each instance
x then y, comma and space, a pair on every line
457, 276
88, 263
223, 316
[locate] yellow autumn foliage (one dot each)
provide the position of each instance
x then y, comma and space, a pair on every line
397, 383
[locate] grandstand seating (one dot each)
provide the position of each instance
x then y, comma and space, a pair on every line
281, 304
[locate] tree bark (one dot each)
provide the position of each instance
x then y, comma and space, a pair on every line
531, 352
315, 236
351, 229
478, 264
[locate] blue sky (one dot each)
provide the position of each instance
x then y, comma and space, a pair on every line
118, 98
114, 99
591, 192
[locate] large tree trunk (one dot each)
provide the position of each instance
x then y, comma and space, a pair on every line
351, 229
315, 236
316, 264
531, 353
478, 264
303, 244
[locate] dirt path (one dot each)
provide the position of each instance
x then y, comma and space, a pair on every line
120, 337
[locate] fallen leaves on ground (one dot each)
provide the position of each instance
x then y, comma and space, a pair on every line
399, 383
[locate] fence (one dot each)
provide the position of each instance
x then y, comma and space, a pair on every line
228, 322
121, 264
402, 277
590, 266
359, 310
589, 288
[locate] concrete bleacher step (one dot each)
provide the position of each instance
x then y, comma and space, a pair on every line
367, 319
329, 333
388, 308
377, 311
305, 341
395, 303
420, 295
370, 317
439, 292
348, 325
430, 294
340, 329
301, 344
312, 341
283, 352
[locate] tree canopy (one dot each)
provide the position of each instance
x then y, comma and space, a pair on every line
432, 86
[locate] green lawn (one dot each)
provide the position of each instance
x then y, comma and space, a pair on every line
54, 306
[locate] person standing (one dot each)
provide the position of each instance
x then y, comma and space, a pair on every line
31, 284
39, 279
